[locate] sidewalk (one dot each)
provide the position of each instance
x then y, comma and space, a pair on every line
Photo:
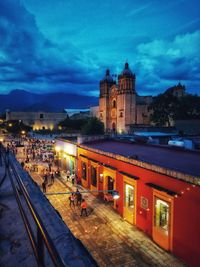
110, 239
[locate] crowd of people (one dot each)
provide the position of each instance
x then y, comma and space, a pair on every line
38, 152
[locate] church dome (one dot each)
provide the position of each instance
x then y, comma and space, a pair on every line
127, 71
108, 77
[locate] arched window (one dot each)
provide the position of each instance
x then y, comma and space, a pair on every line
93, 176
114, 103
84, 170
121, 114
113, 127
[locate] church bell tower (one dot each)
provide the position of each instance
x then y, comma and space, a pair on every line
126, 100
105, 84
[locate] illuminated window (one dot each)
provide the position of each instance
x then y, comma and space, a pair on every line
129, 197
84, 170
162, 214
93, 176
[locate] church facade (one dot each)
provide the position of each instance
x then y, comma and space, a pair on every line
119, 104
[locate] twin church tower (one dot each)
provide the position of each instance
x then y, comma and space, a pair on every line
119, 105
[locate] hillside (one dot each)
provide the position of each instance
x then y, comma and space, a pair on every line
21, 100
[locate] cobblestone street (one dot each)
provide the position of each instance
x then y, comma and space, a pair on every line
110, 239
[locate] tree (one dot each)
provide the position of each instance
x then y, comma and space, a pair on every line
93, 127
163, 109
188, 108
167, 107
72, 125
17, 127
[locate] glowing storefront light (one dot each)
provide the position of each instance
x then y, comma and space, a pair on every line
162, 215
57, 149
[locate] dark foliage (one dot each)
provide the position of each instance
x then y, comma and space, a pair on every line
93, 127
167, 107
72, 124
17, 127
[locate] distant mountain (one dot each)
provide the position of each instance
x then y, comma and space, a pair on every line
21, 100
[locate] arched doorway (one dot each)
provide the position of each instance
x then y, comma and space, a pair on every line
110, 183
109, 186
113, 127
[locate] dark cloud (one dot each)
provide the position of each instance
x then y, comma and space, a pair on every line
29, 60
27, 56
164, 63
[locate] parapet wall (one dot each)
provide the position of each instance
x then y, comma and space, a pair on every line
70, 249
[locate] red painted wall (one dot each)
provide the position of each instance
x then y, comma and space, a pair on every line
186, 239
186, 227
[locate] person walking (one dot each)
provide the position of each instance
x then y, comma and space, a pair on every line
84, 207
50, 165
44, 187
78, 198
73, 178
52, 178
46, 178
22, 164
72, 200
68, 175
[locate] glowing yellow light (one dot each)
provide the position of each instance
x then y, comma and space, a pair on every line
117, 196
23, 132
57, 148
60, 127
10, 124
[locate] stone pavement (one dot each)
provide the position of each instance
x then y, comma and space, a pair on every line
110, 239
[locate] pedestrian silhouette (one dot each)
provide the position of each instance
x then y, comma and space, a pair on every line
84, 207
44, 187
78, 198
52, 178
72, 200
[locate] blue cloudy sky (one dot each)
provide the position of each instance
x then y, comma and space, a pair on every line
66, 45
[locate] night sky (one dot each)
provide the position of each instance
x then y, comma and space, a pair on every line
66, 45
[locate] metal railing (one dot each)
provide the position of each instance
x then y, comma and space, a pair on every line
42, 237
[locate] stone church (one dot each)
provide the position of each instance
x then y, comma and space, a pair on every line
120, 106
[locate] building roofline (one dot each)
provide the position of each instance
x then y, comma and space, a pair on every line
191, 179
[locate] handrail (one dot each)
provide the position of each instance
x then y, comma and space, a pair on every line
3, 157
42, 234
25, 219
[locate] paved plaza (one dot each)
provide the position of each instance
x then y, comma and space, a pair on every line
110, 239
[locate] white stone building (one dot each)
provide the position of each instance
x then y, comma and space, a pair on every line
38, 120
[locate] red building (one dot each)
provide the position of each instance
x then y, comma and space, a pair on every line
159, 190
